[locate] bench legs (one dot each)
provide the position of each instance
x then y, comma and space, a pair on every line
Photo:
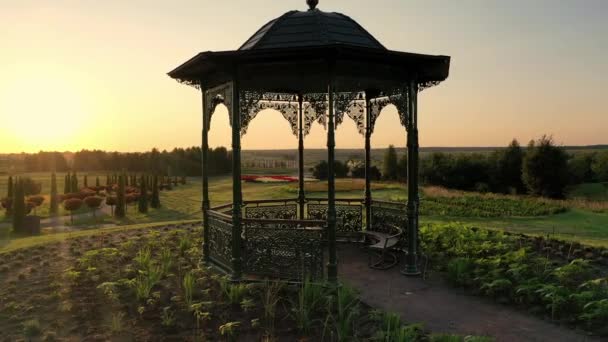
382, 260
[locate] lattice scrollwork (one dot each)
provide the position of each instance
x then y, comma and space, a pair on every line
215, 96
315, 107
349, 217
284, 212
384, 215
220, 241
428, 84
353, 105
288, 253
286, 104
249, 107
397, 97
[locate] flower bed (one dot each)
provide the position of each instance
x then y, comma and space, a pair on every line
502, 266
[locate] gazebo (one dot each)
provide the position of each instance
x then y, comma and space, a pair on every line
311, 66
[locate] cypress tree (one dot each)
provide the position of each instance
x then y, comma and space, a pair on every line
53, 205
18, 207
143, 196
155, 200
85, 181
120, 197
97, 183
107, 180
67, 184
74, 182
9, 195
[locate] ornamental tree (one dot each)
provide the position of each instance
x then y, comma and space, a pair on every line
93, 203
72, 205
54, 199
120, 198
143, 196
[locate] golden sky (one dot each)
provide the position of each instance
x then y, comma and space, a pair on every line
92, 74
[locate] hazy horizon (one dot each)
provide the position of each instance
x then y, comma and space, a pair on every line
92, 75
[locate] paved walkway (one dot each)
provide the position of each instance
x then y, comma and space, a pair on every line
441, 308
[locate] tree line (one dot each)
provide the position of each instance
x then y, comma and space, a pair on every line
541, 169
179, 161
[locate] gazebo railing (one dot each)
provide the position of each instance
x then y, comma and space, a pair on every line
349, 214
385, 214
286, 209
220, 239
287, 249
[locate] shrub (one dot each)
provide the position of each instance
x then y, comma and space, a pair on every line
93, 203
111, 201
390, 167
120, 198
18, 207
37, 199
142, 204
72, 205
319, 171
155, 200
54, 205
545, 169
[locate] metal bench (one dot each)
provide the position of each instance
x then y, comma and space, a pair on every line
384, 246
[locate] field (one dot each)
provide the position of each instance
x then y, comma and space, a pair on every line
138, 277
574, 219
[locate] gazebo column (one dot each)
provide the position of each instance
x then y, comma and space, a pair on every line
205, 176
368, 192
332, 265
237, 195
301, 194
413, 201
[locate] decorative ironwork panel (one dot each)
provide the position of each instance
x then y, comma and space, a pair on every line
220, 241
284, 212
398, 98
349, 217
385, 214
428, 84
217, 95
249, 108
315, 107
284, 252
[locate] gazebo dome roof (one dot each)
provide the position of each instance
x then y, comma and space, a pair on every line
311, 28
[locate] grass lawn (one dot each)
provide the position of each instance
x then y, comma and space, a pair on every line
579, 222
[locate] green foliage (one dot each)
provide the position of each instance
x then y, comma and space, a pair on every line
18, 207
188, 287
509, 164
121, 201
505, 268
320, 171
390, 169
600, 166
143, 197
31, 328
309, 302
545, 168
155, 200
230, 330
54, 205
343, 311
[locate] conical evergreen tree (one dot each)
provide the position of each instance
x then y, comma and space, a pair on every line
18, 207
120, 197
97, 183
67, 184
155, 200
54, 205
85, 182
9, 195
107, 180
74, 183
143, 196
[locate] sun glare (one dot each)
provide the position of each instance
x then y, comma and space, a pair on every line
44, 112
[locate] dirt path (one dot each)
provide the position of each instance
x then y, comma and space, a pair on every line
443, 309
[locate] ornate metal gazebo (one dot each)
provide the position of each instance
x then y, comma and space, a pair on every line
312, 66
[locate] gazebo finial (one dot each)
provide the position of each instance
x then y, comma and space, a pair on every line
312, 4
